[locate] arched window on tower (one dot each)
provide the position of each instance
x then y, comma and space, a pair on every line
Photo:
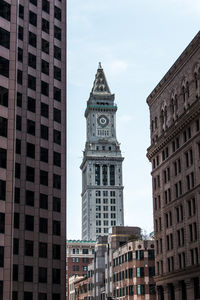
112, 175
97, 174
105, 174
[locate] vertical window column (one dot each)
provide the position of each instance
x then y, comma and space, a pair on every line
105, 175
112, 175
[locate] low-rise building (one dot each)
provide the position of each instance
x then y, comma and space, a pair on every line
72, 281
79, 256
81, 289
133, 271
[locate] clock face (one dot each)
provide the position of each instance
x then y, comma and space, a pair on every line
103, 121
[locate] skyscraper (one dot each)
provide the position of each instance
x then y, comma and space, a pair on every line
175, 156
32, 149
102, 189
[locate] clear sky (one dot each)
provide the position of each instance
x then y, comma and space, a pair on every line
136, 41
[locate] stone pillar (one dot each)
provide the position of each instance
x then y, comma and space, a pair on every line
166, 292
190, 289
177, 290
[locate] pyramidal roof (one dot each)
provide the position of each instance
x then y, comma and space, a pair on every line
100, 85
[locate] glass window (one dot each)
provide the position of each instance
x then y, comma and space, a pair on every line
32, 82
32, 18
16, 220
28, 273
57, 33
2, 222
57, 52
45, 67
20, 54
32, 60
57, 181
56, 276
19, 76
4, 66
43, 177
43, 225
20, 33
56, 204
5, 38
17, 195
57, 115
43, 250
57, 73
56, 251
44, 154
57, 159
3, 96
30, 195
57, 94
3, 158
28, 248
19, 99
30, 150
45, 6
29, 223
45, 25
30, 174
57, 137
42, 275
44, 132
21, 11
34, 2
5, 10
56, 227
3, 127
32, 39
31, 127
2, 190
31, 104
57, 13
44, 110
44, 88
17, 170
45, 46
43, 201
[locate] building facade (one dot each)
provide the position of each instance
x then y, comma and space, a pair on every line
102, 188
133, 271
175, 156
79, 256
32, 147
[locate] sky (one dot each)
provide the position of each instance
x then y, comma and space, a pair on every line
136, 41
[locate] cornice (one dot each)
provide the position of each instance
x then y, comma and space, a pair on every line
183, 58
100, 158
174, 129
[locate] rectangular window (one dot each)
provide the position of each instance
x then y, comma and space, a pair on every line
3, 127
44, 88
57, 94
3, 96
43, 225
30, 197
2, 190
34, 2
45, 25
17, 170
57, 159
56, 251
19, 99
28, 273
17, 195
16, 220
44, 132
57, 181
112, 175
4, 38
43, 177
31, 104
32, 60
57, 52
42, 275
21, 11
2, 222
43, 250
30, 150
57, 33
20, 54
5, 10
1, 256
32, 18
32, 39
43, 201
3, 158
31, 127
57, 13
56, 204
44, 109
30, 174
45, 46
20, 33
4, 67
57, 137
57, 115
15, 246
28, 248
32, 82
29, 223
44, 154
56, 227
56, 276
57, 73
45, 67
45, 6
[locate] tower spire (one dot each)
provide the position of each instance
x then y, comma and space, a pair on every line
100, 85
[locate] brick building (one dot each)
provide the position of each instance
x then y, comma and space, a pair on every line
133, 271
79, 255
32, 147
175, 156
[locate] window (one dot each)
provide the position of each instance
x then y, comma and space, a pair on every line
140, 272
57, 94
44, 88
151, 254
18, 122
57, 159
56, 227
31, 104
43, 201
20, 33
4, 66
57, 33
139, 254
32, 39
15, 246
17, 195
30, 198
19, 99
44, 132
85, 251
55, 296
32, 82
17, 170
56, 251
57, 115
44, 154
30, 174
42, 296
57, 73
28, 248
44, 108
2, 189
34, 2
15, 272
3, 96
31, 127
2, 222
45, 67
29, 223
20, 54
57, 13
57, 52
21, 11
30, 150
43, 177
42, 275
5, 38
151, 271
43, 225
3, 126
28, 296
42, 250
19, 76
45, 6
56, 204
32, 18
28, 273
5, 10
57, 181
3, 158
191, 207
97, 174
56, 276
45, 46
140, 289
1, 256
57, 137
32, 61
45, 25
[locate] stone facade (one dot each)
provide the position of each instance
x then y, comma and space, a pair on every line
102, 188
32, 147
175, 156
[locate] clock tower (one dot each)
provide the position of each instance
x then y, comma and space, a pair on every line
102, 187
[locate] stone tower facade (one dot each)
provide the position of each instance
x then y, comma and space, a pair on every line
102, 188
175, 156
